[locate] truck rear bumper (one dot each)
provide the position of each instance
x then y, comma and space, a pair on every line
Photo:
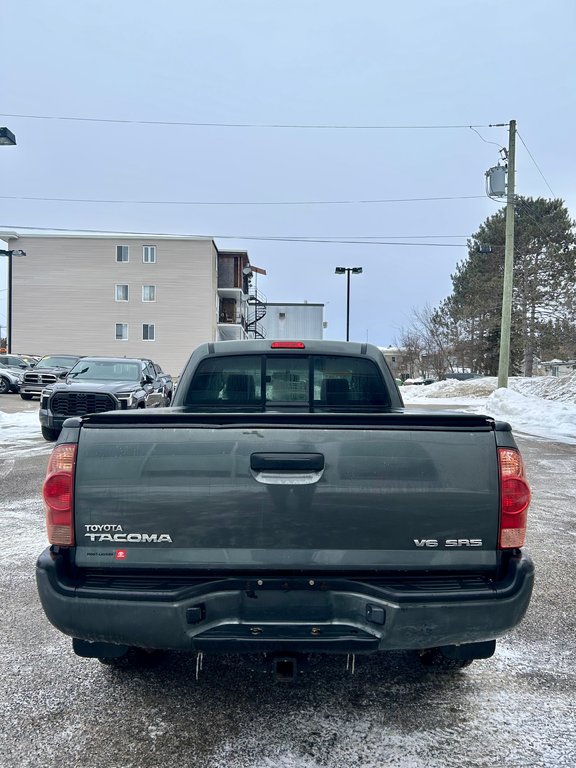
334, 614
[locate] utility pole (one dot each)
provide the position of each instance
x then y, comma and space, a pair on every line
506, 322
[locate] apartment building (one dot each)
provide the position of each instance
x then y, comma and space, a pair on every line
128, 295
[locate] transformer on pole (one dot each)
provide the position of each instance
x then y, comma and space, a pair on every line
496, 181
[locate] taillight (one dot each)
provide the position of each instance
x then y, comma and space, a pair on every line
58, 495
287, 345
514, 499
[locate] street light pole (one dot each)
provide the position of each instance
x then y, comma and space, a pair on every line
348, 305
8, 139
10, 254
347, 271
9, 308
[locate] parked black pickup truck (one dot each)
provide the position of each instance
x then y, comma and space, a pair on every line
287, 504
98, 384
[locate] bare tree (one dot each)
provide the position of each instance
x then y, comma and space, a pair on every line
425, 344
412, 347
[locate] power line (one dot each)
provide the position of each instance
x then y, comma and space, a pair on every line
396, 237
238, 202
483, 139
266, 238
536, 164
199, 124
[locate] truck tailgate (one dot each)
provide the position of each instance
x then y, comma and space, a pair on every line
194, 494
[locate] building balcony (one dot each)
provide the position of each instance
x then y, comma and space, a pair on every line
230, 330
236, 294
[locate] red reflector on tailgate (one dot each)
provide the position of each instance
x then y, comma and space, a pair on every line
288, 345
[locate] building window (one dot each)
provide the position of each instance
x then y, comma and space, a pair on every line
122, 253
121, 293
148, 332
149, 254
121, 331
148, 293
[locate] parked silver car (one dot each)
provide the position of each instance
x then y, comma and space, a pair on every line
10, 379
15, 361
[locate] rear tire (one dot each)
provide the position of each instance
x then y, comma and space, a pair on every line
50, 434
435, 659
134, 658
26, 396
4, 386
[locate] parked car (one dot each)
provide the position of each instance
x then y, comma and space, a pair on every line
165, 383
30, 359
12, 369
419, 381
10, 380
97, 384
47, 371
14, 361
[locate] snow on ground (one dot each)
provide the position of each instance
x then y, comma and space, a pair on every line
543, 406
20, 433
18, 426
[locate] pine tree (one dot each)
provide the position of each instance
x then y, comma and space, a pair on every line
544, 282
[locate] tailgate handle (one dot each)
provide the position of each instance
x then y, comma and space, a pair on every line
288, 462
287, 468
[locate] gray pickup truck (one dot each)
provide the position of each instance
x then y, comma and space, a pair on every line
47, 371
286, 505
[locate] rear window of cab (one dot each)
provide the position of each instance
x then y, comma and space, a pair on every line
310, 381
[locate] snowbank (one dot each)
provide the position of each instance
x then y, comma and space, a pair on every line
561, 388
544, 406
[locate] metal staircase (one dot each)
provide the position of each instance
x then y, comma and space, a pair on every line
256, 311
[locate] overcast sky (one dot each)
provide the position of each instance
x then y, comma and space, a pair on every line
302, 62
